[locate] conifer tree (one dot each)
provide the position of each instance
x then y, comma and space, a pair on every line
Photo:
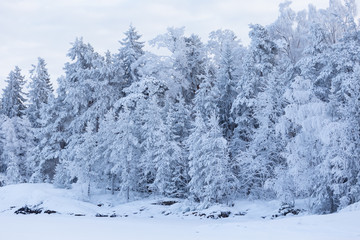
13, 98
54, 135
197, 171
122, 151
126, 61
40, 91
211, 178
17, 141
258, 65
82, 84
187, 62
228, 56
17, 135
178, 126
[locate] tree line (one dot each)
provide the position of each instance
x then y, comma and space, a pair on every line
211, 122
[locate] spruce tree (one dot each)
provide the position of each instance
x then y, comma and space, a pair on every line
40, 91
228, 58
13, 98
127, 59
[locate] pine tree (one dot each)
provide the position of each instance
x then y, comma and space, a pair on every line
87, 167
197, 171
128, 56
187, 62
221, 183
17, 142
121, 148
211, 178
40, 91
154, 159
342, 166
259, 63
178, 127
338, 185
196, 65
54, 135
228, 58
148, 93
13, 99
259, 163
17, 135
206, 97
83, 81
40, 95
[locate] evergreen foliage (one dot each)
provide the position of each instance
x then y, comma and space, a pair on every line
211, 122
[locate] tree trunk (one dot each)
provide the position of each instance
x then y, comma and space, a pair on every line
88, 190
113, 184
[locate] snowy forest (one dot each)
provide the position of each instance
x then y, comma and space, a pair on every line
211, 121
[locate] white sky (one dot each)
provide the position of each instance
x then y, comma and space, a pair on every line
45, 28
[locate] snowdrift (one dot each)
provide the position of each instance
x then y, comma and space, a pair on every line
75, 218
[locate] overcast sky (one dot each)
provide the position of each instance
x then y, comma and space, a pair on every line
45, 28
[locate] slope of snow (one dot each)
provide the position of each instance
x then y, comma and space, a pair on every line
73, 201
352, 207
44, 196
144, 220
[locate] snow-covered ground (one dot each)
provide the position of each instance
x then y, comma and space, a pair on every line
144, 220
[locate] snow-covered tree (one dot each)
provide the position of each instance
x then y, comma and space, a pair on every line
338, 185
82, 84
308, 120
135, 109
211, 178
155, 159
187, 61
122, 149
177, 126
205, 122
17, 141
40, 99
206, 97
196, 65
197, 171
257, 165
228, 55
88, 166
17, 135
258, 65
40, 90
290, 32
342, 167
126, 61
13, 99
49, 154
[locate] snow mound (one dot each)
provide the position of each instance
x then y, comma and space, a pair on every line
43, 196
352, 207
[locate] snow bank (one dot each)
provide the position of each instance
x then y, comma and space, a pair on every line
73, 201
351, 208
43, 196
149, 219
